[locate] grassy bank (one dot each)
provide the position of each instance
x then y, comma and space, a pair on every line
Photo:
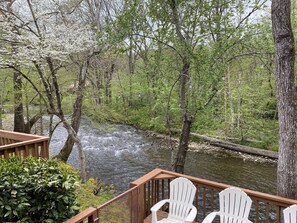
86, 196
263, 135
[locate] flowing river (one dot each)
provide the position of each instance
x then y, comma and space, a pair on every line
119, 154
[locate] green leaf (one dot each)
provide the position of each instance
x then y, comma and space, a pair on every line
7, 214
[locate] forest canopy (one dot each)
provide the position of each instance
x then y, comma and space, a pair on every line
133, 74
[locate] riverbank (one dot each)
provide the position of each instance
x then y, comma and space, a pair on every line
204, 142
209, 143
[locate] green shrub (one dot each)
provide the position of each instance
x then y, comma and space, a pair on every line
36, 191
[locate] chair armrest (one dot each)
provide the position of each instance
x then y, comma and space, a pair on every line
156, 207
192, 215
209, 218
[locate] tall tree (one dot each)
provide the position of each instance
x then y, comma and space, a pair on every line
9, 15
19, 122
77, 110
195, 36
184, 78
49, 37
286, 97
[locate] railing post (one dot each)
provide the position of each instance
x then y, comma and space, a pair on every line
45, 151
94, 217
141, 203
137, 203
134, 206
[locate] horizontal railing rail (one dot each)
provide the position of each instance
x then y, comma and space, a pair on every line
90, 215
23, 145
134, 205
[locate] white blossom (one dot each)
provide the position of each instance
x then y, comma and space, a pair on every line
56, 36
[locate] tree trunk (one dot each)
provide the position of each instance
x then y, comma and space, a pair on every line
239, 101
184, 80
73, 138
229, 93
183, 146
99, 87
222, 143
131, 73
29, 124
76, 118
286, 95
75, 123
1, 112
185, 134
2, 102
19, 123
108, 78
17, 85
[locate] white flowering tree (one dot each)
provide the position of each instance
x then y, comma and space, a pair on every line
45, 36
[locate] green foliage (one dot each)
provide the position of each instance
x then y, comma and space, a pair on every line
103, 113
36, 191
231, 90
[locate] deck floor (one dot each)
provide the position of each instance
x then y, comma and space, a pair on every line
160, 215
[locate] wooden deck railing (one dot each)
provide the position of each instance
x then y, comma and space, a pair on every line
152, 187
23, 145
121, 209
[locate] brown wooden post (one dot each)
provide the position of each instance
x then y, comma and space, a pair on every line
134, 206
94, 217
35, 152
16, 151
5, 154
27, 153
137, 203
141, 202
43, 150
278, 214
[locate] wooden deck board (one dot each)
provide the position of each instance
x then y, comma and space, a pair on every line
160, 215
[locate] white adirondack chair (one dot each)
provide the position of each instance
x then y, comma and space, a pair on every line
290, 214
235, 206
181, 208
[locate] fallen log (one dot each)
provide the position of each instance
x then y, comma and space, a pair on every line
233, 146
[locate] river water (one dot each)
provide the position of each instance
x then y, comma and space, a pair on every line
119, 154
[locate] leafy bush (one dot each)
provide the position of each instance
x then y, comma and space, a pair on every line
36, 191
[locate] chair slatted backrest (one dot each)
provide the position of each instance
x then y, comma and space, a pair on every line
290, 215
182, 193
235, 205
